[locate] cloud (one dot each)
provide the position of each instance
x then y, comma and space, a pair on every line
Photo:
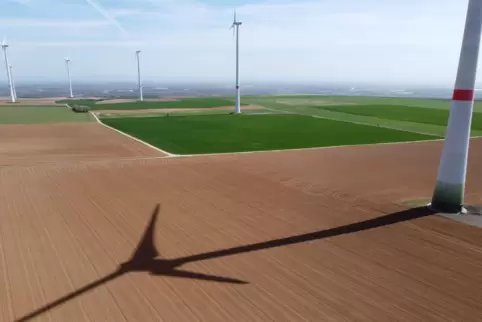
126, 12
314, 40
38, 44
52, 23
22, 2
106, 15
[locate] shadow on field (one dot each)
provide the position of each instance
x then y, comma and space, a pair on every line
144, 258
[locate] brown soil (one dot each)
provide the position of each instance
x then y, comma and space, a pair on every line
314, 235
170, 110
20, 144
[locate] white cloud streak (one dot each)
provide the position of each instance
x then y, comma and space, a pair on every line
106, 15
299, 40
63, 44
22, 2
53, 23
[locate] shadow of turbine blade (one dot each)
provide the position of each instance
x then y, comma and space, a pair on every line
144, 258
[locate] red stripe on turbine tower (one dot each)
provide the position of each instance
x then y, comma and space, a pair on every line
463, 95
449, 190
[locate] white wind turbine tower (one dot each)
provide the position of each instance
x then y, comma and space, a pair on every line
141, 96
67, 65
13, 82
449, 190
7, 66
235, 27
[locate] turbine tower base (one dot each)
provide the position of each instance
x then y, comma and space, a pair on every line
448, 198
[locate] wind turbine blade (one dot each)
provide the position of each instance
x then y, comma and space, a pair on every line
234, 20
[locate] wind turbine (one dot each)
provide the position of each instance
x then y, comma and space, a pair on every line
141, 97
7, 66
449, 190
13, 82
67, 65
235, 27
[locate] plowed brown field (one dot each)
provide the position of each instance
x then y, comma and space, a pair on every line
288, 236
33, 144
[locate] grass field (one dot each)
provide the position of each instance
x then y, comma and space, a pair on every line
203, 102
431, 114
180, 112
40, 115
184, 103
361, 100
404, 113
87, 102
230, 133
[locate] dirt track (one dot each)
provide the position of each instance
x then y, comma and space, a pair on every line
65, 225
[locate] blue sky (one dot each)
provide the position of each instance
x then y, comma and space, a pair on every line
352, 41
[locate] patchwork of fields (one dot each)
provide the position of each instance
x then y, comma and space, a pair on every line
198, 103
428, 116
205, 125
309, 121
97, 226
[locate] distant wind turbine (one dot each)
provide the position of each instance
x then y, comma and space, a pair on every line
141, 97
67, 65
235, 27
7, 67
13, 82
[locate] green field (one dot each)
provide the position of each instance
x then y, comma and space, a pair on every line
236, 133
87, 102
184, 103
40, 115
427, 116
403, 113
359, 100
154, 113
158, 114
203, 102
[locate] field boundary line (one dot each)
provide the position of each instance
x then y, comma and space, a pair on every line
359, 123
81, 162
171, 155
307, 149
132, 137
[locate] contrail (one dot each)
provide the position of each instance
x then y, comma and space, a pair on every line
106, 15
